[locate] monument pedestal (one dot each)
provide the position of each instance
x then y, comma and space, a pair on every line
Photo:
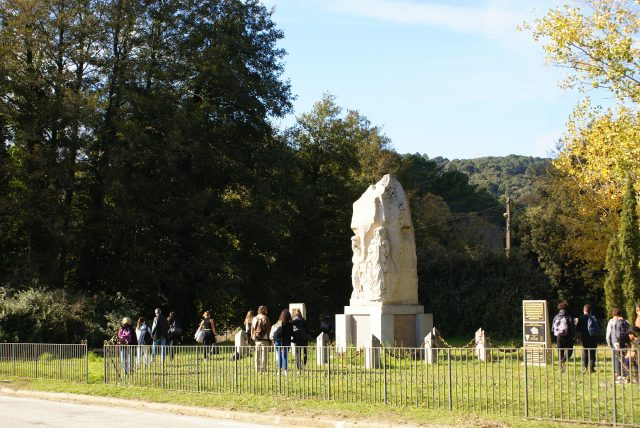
389, 325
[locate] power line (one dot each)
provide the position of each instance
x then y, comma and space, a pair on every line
460, 217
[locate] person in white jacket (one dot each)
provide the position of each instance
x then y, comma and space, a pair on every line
618, 340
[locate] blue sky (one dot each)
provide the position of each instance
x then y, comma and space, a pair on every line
450, 78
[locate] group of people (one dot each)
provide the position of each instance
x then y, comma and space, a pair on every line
620, 335
147, 339
283, 333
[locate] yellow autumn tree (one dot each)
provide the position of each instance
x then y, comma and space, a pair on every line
598, 40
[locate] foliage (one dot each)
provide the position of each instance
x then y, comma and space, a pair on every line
614, 297
38, 315
599, 152
511, 175
569, 244
629, 251
597, 41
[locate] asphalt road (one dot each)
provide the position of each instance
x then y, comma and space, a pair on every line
18, 412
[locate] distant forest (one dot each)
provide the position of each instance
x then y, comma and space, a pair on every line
140, 167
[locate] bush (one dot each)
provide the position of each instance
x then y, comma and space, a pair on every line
41, 315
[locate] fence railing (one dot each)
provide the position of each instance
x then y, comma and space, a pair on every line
68, 362
583, 387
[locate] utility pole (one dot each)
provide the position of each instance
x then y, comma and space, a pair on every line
508, 218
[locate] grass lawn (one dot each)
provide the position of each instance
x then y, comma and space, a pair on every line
268, 402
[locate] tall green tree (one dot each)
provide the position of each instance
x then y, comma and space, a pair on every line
613, 293
629, 250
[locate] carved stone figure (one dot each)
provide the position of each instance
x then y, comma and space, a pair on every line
377, 264
384, 270
356, 271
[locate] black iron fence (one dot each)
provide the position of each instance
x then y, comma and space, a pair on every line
68, 362
600, 386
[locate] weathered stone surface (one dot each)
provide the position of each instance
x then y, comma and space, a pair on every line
384, 251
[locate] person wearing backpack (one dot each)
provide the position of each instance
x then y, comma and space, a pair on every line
589, 330
126, 338
260, 327
564, 331
618, 340
143, 335
300, 338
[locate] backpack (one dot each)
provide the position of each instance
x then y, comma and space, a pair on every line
593, 328
560, 326
175, 330
260, 329
146, 337
621, 332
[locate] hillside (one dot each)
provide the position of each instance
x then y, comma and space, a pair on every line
500, 175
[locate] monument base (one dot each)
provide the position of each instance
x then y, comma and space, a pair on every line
388, 325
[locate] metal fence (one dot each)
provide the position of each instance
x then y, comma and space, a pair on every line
69, 362
504, 381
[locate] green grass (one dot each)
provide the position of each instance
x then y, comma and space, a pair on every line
494, 390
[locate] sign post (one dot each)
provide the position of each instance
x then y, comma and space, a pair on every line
536, 335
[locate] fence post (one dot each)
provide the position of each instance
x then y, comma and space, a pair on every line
613, 392
86, 360
197, 370
526, 386
328, 373
104, 355
384, 371
13, 358
235, 368
162, 361
449, 373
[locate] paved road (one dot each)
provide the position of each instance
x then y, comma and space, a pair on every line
21, 412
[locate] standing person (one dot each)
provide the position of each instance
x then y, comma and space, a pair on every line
618, 340
637, 323
126, 338
282, 339
174, 333
143, 335
300, 338
247, 326
210, 333
564, 330
159, 333
260, 327
589, 330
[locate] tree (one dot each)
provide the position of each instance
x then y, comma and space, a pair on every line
629, 250
598, 42
613, 294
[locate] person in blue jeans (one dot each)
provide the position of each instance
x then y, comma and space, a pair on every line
282, 339
159, 333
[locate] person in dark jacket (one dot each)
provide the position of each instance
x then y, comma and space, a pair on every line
282, 339
210, 333
300, 338
159, 333
564, 330
174, 333
589, 330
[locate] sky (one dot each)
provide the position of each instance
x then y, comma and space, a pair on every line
452, 78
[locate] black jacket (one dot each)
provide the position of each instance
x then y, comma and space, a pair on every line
160, 327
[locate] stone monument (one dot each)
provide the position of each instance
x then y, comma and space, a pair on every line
384, 303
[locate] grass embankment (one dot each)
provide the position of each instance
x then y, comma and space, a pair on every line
273, 405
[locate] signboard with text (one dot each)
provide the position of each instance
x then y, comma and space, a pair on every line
535, 330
